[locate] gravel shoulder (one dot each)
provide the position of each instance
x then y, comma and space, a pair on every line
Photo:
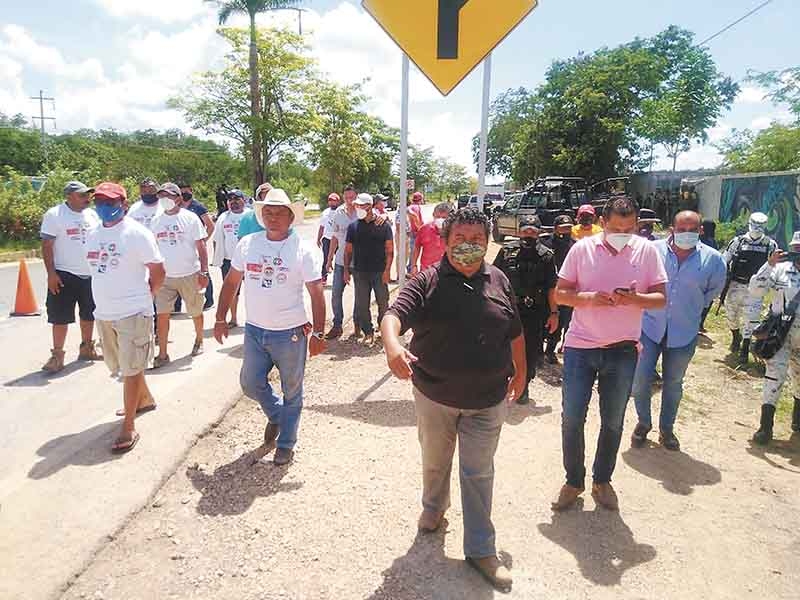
716, 521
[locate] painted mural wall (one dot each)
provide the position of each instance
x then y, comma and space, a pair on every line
778, 196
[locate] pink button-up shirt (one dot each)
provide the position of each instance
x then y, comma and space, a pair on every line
591, 267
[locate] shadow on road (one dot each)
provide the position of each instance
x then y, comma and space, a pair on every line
600, 541
86, 449
425, 572
678, 472
383, 413
232, 488
518, 413
787, 449
41, 379
236, 351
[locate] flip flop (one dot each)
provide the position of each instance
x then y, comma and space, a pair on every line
141, 411
122, 446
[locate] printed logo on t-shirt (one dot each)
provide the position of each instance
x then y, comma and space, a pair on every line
231, 229
77, 230
268, 272
172, 235
105, 259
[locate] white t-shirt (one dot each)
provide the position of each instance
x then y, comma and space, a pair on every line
326, 222
177, 236
229, 226
69, 228
144, 213
117, 259
341, 221
274, 276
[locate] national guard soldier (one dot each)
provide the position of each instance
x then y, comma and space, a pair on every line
530, 267
745, 255
781, 275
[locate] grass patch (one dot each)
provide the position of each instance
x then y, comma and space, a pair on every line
18, 245
312, 213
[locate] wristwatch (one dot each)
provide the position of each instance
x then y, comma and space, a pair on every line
205, 274
319, 335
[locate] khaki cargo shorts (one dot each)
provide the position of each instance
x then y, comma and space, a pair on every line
127, 344
186, 288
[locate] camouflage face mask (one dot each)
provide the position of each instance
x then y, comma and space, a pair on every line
467, 253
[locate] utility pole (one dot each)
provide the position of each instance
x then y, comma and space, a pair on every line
41, 98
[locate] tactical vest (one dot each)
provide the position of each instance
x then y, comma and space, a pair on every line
521, 271
750, 257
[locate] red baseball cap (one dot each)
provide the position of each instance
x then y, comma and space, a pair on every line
417, 196
586, 209
334, 196
110, 191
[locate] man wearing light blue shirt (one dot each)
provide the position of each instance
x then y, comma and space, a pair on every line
696, 276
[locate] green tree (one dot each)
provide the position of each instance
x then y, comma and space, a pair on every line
218, 101
690, 99
253, 8
508, 114
784, 86
776, 148
421, 166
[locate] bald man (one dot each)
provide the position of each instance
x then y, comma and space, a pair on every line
696, 275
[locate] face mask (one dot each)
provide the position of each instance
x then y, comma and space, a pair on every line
260, 217
756, 231
468, 254
186, 195
439, 223
108, 213
167, 203
149, 198
586, 222
618, 241
361, 213
686, 240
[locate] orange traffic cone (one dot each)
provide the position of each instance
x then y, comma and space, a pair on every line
25, 305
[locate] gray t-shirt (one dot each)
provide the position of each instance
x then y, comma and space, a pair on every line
341, 221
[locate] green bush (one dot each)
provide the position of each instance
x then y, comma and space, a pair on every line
727, 231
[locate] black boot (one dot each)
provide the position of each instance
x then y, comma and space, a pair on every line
736, 342
796, 415
744, 352
763, 436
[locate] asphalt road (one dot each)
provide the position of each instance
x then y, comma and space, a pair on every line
62, 493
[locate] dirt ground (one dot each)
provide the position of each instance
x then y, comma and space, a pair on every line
716, 521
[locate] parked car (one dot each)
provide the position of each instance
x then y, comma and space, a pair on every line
490, 202
548, 198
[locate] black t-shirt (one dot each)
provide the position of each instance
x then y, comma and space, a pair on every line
462, 334
369, 245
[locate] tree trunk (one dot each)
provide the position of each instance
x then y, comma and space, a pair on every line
674, 161
255, 107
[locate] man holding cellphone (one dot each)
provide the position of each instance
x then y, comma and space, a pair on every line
609, 279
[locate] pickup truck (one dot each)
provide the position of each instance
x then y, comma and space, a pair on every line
506, 218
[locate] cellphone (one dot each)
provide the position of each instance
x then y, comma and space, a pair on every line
791, 257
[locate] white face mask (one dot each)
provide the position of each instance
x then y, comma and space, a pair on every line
361, 213
756, 232
686, 240
167, 203
618, 241
439, 223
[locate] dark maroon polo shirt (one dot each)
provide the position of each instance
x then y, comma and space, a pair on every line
463, 329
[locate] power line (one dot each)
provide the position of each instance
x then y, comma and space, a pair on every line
735, 23
41, 98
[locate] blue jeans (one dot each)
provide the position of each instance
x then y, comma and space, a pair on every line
337, 294
614, 369
674, 361
286, 350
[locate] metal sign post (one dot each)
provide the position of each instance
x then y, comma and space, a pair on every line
487, 87
402, 209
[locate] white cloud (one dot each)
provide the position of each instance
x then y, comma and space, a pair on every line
13, 99
17, 43
165, 11
765, 121
751, 95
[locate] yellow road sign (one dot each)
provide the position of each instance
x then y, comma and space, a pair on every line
447, 39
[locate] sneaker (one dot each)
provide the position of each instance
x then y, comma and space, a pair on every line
160, 361
605, 496
639, 435
197, 349
55, 363
369, 339
334, 334
283, 456
668, 440
88, 351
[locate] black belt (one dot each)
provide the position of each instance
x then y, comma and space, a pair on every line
623, 344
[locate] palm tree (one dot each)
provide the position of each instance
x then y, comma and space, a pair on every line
227, 8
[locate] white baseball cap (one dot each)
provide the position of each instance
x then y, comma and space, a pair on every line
363, 200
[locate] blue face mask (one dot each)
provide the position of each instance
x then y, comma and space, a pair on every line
108, 213
149, 198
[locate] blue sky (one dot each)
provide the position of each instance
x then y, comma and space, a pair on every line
113, 63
